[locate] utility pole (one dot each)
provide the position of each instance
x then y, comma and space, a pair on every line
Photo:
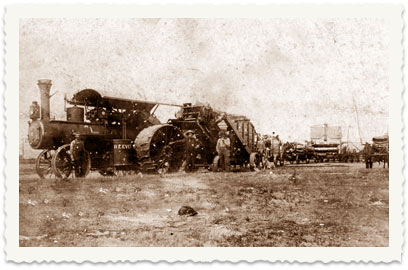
358, 120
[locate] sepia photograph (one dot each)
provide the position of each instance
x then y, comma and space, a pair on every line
204, 132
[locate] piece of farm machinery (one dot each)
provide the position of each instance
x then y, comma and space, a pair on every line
378, 151
272, 150
304, 153
297, 152
207, 125
122, 136
326, 140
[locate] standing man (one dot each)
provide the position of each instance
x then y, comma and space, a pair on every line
223, 150
367, 152
260, 144
77, 153
275, 148
190, 151
35, 111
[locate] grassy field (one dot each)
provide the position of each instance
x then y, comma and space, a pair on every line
325, 205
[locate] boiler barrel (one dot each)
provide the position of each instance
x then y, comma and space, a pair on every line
52, 134
75, 114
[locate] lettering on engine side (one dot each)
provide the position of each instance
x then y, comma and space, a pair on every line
122, 146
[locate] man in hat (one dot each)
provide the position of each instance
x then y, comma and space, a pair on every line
275, 147
34, 110
223, 150
77, 152
190, 151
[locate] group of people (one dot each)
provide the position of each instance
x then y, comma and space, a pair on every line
192, 145
269, 145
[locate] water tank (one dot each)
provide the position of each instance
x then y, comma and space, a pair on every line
75, 114
121, 152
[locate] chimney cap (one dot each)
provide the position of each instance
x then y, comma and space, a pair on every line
44, 81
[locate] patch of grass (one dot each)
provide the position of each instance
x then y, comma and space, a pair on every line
326, 206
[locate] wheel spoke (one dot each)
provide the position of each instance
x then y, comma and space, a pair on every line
43, 163
48, 172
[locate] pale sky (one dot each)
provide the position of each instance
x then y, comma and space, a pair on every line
284, 74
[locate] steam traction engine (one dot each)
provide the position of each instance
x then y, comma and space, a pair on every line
110, 129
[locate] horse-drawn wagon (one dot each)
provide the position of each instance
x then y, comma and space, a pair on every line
378, 151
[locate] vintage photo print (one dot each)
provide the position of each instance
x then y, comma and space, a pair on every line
204, 133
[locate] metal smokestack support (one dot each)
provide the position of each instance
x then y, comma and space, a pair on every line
45, 86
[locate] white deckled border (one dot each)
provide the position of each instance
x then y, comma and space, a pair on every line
390, 13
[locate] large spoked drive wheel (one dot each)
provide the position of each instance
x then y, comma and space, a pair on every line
63, 166
160, 147
62, 163
43, 165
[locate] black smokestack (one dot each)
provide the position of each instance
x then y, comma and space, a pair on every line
45, 86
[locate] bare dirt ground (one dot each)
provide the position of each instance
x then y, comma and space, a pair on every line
325, 205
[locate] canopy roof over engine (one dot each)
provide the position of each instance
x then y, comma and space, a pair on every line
380, 138
93, 98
